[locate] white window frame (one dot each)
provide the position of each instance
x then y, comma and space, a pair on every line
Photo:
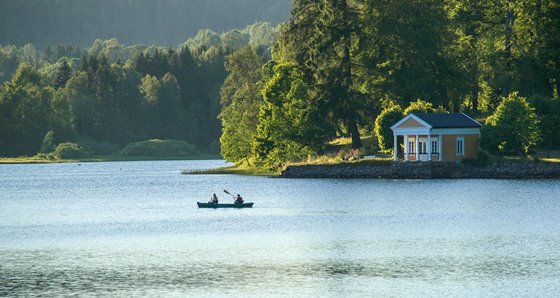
422, 147
411, 146
460, 146
434, 146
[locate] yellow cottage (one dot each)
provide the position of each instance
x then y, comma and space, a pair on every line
436, 136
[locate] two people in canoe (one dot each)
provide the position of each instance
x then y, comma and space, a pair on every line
236, 199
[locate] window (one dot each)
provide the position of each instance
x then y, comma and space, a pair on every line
422, 147
410, 147
434, 147
460, 146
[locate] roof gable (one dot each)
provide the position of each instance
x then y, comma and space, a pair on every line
411, 116
411, 123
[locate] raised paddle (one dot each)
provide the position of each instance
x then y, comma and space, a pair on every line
228, 193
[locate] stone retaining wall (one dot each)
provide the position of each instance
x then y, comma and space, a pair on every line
427, 170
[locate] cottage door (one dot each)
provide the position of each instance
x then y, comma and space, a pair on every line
423, 149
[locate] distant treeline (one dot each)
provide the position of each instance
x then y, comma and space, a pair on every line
166, 23
109, 95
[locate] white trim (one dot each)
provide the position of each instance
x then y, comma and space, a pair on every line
410, 145
462, 153
471, 119
411, 131
440, 141
409, 116
417, 139
405, 143
394, 147
457, 131
429, 147
434, 141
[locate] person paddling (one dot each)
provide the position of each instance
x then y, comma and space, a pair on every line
238, 199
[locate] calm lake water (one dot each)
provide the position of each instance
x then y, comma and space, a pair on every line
133, 229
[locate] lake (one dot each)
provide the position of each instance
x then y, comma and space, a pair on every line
133, 229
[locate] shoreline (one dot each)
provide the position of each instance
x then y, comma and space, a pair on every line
427, 170
33, 160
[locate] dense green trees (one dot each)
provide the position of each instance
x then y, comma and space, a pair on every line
241, 101
290, 125
24, 112
334, 68
513, 128
113, 95
358, 59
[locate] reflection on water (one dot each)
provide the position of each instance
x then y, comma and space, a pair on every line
132, 229
54, 272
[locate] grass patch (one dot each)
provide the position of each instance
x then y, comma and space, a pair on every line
551, 159
235, 170
369, 143
337, 160
32, 159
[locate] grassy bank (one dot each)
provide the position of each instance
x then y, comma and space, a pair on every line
236, 170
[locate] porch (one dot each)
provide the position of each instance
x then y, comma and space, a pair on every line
418, 147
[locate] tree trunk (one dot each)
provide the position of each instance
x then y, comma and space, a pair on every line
353, 129
347, 81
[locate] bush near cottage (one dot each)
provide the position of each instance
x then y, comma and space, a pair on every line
513, 128
383, 123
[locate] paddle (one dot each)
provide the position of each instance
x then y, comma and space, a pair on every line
229, 193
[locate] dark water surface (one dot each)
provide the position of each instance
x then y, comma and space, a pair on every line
133, 229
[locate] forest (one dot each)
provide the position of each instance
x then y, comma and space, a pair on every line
355, 67
104, 97
271, 95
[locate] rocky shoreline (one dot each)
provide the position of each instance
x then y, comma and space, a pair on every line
427, 170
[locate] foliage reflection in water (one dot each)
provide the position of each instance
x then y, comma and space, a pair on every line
132, 228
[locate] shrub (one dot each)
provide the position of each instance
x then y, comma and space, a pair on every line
159, 148
70, 151
383, 123
515, 126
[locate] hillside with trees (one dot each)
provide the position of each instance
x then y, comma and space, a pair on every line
340, 65
266, 95
106, 96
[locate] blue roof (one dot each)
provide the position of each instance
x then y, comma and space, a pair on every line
448, 120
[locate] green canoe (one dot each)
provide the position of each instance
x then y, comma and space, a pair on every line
219, 205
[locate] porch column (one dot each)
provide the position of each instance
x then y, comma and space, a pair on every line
405, 147
394, 147
429, 147
416, 148
440, 147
